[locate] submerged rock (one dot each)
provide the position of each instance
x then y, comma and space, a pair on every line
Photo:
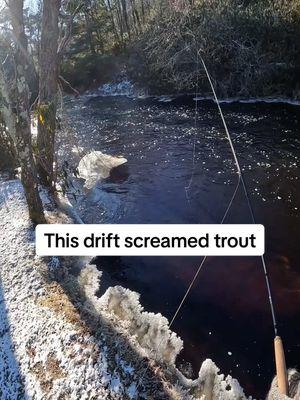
96, 165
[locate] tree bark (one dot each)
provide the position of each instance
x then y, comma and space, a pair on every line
15, 112
125, 17
20, 117
112, 18
17, 21
48, 86
89, 32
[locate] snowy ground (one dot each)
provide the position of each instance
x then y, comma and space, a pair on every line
60, 341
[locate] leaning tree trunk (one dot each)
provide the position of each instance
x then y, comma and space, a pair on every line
24, 154
14, 108
48, 82
15, 112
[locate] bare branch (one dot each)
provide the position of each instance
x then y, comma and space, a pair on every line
69, 85
68, 32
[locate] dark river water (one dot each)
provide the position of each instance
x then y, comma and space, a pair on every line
227, 316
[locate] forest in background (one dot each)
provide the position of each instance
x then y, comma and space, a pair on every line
251, 47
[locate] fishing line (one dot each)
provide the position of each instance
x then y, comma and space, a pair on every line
240, 181
187, 188
194, 277
245, 189
188, 290
205, 257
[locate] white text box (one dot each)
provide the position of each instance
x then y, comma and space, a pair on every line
150, 240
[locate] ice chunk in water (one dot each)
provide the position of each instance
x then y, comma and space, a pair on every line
97, 165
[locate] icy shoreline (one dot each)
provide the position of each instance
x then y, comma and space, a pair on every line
60, 341
128, 89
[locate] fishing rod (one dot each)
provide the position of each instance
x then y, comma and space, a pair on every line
280, 363
281, 372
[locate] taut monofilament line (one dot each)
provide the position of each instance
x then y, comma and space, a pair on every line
245, 189
281, 371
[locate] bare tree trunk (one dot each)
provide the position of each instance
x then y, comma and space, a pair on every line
125, 17
120, 22
48, 85
135, 17
143, 11
112, 18
7, 147
89, 32
15, 112
17, 21
25, 157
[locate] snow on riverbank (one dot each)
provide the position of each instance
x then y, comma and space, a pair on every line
46, 351
60, 341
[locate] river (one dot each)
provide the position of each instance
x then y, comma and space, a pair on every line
227, 316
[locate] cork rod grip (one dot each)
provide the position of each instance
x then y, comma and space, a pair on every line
281, 372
